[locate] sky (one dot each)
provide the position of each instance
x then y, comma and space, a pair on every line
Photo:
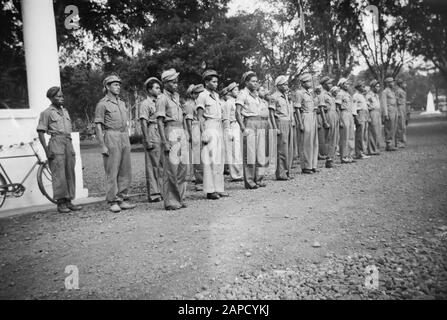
244, 5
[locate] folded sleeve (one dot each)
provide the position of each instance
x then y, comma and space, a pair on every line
143, 111
43, 122
160, 106
241, 98
201, 100
100, 113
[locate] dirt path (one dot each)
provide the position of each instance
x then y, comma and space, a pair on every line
222, 249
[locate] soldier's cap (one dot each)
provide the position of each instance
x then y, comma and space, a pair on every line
389, 79
110, 79
169, 75
190, 89
198, 88
305, 77
281, 80
231, 86
359, 84
333, 89
373, 83
246, 75
325, 80
399, 81
341, 81
224, 91
151, 79
209, 73
52, 92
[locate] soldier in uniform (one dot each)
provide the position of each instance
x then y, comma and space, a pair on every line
347, 130
56, 122
151, 140
332, 133
196, 139
305, 110
401, 96
390, 113
248, 115
361, 119
210, 114
113, 136
171, 125
265, 125
280, 115
375, 125
234, 142
321, 125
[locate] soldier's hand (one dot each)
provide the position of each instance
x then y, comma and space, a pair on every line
246, 132
50, 155
166, 146
302, 128
105, 151
278, 132
326, 125
342, 125
387, 118
149, 146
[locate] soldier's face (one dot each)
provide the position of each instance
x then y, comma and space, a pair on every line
328, 86
307, 84
253, 83
212, 83
156, 90
235, 92
283, 88
377, 88
114, 88
194, 95
391, 84
58, 99
172, 85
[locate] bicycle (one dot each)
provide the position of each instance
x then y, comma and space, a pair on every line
44, 177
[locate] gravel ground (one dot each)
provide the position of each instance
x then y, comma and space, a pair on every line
309, 238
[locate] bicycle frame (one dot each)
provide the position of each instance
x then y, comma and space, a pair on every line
8, 179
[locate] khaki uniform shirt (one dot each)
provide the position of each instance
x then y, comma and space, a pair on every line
345, 101
373, 101
191, 110
305, 102
389, 100
401, 97
211, 105
327, 100
168, 107
250, 102
146, 110
54, 120
281, 105
230, 109
359, 102
111, 113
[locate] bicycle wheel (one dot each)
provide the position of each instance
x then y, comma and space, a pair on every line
3, 190
44, 177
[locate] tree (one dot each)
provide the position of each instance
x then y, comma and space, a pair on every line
427, 23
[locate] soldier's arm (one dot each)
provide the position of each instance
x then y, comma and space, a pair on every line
42, 127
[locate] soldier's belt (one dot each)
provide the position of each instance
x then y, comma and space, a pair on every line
254, 118
116, 130
65, 135
174, 124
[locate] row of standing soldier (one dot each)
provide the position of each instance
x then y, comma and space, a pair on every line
207, 131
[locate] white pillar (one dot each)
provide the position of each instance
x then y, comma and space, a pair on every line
41, 52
